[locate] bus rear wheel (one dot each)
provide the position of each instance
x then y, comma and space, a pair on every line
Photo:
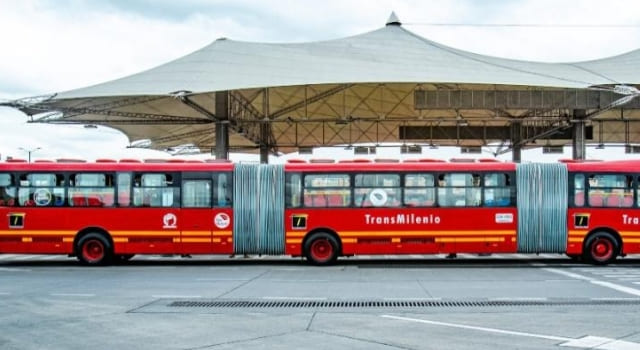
93, 249
321, 249
601, 248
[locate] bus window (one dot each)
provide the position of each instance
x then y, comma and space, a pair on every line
124, 189
91, 190
42, 190
223, 190
327, 190
497, 190
610, 190
7, 190
459, 190
377, 190
196, 194
293, 190
155, 190
419, 190
578, 190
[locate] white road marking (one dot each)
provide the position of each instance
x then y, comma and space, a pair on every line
5, 293
170, 296
590, 342
14, 269
475, 328
610, 285
86, 295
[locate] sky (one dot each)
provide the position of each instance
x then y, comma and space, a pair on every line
51, 46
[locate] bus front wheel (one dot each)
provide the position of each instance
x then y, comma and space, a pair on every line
94, 249
321, 249
601, 248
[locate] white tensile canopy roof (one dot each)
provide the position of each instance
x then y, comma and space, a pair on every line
313, 83
389, 54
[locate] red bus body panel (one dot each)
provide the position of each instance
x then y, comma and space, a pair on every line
406, 230
52, 230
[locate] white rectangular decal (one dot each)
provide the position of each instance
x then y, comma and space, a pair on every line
504, 218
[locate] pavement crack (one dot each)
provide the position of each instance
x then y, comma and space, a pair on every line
243, 284
424, 289
311, 321
238, 341
395, 346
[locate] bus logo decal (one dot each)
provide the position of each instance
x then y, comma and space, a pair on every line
222, 220
16, 220
299, 221
170, 221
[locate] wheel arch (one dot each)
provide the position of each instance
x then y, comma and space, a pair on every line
91, 229
608, 230
329, 231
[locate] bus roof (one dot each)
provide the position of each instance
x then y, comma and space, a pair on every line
412, 166
127, 165
617, 166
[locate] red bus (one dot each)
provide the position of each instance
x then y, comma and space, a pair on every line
110, 210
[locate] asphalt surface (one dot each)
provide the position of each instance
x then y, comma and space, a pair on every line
411, 302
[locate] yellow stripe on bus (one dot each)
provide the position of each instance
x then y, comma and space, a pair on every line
222, 233
196, 233
293, 234
196, 240
468, 239
145, 233
630, 233
27, 239
38, 232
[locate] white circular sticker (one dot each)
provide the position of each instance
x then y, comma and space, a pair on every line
170, 221
222, 220
378, 197
42, 197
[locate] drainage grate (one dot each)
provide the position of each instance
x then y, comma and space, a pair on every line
360, 304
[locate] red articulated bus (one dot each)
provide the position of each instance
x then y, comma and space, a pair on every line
110, 210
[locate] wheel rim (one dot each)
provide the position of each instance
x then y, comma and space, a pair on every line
602, 249
93, 250
321, 250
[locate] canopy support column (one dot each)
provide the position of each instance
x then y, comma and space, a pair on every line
264, 143
579, 146
516, 141
265, 128
222, 125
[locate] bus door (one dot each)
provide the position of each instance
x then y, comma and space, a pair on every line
196, 214
222, 213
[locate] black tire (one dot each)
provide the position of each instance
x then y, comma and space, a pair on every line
321, 249
601, 248
94, 249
